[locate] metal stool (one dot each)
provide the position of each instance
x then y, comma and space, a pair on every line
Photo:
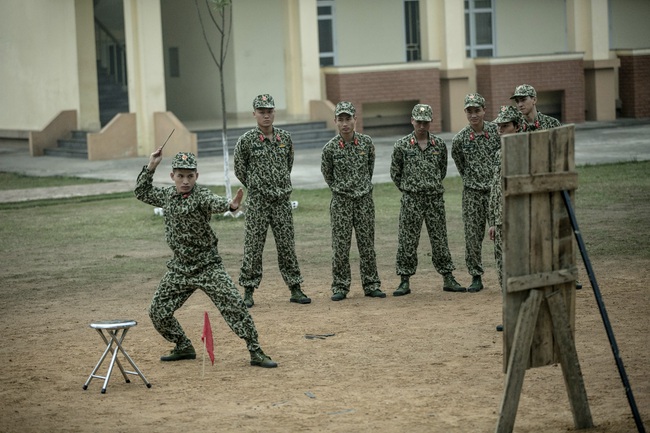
114, 336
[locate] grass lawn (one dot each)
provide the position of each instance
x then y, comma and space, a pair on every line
612, 206
19, 181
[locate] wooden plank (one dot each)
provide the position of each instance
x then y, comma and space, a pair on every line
562, 156
542, 279
573, 380
518, 361
544, 182
515, 154
541, 247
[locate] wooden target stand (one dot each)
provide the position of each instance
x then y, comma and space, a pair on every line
539, 267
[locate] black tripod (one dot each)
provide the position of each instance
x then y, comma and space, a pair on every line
603, 312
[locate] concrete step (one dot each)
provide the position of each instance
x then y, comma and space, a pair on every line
306, 135
74, 144
67, 152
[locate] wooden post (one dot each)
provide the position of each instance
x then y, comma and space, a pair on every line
539, 266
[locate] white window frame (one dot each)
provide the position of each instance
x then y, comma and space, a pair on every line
471, 47
414, 48
330, 17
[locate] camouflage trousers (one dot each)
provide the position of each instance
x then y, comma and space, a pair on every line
175, 289
415, 209
346, 214
260, 215
498, 252
475, 213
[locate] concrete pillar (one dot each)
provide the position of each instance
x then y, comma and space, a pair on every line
588, 32
442, 32
88, 118
145, 65
303, 79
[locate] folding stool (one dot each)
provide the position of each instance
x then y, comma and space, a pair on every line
113, 332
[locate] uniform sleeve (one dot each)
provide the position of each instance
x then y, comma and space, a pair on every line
493, 201
242, 157
146, 192
290, 155
457, 155
443, 159
327, 166
214, 202
371, 159
396, 165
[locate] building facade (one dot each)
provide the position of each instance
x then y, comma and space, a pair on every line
588, 60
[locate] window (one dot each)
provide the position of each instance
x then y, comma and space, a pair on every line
412, 28
479, 28
326, 32
174, 63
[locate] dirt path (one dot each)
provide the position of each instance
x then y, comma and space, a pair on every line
427, 362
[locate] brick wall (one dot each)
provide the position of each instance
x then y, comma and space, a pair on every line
497, 82
634, 85
422, 85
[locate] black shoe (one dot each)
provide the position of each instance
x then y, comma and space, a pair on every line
451, 285
499, 328
339, 296
260, 359
177, 355
477, 284
578, 285
376, 294
298, 296
402, 289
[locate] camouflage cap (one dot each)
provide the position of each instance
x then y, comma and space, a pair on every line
345, 107
508, 113
524, 90
422, 113
263, 101
474, 100
184, 160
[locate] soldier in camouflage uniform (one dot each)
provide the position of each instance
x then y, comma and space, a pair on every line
474, 150
196, 263
418, 167
347, 164
525, 97
509, 121
263, 163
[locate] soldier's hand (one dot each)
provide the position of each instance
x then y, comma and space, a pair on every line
155, 159
237, 200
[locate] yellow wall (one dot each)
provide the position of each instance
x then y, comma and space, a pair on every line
259, 52
629, 24
38, 62
195, 94
369, 32
529, 28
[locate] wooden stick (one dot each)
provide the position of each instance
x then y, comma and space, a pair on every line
168, 137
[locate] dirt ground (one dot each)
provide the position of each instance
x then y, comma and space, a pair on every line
427, 362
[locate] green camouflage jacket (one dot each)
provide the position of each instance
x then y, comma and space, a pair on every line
348, 167
475, 155
542, 121
187, 222
415, 170
264, 166
495, 203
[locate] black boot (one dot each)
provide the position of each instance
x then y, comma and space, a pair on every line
403, 288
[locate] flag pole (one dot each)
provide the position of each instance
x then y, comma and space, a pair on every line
205, 349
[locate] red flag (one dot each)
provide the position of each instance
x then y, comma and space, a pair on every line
208, 343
